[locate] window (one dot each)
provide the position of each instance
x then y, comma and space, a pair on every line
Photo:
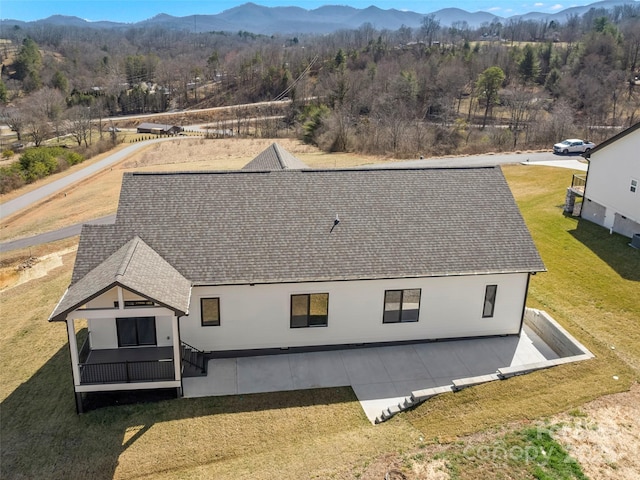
136, 331
401, 306
134, 303
489, 300
210, 312
309, 310
634, 185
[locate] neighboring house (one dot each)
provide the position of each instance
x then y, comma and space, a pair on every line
159, 129
612, 188
244, 262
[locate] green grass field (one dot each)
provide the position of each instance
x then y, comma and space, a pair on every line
591, 288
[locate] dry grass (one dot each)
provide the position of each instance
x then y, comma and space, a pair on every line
589, 288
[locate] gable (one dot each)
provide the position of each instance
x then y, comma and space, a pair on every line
633, 133
135, 267
275, 158
273, 227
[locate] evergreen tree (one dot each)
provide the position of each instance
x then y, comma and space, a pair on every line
487, 86
529, 66
28, 64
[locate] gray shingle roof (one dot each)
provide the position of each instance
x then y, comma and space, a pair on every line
136, 267
275, 158
269, 227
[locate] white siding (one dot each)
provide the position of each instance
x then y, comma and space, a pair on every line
259, 316
609, 179
102, 330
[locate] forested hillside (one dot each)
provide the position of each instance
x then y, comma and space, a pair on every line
409, 92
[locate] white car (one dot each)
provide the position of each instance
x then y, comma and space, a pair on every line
573, 145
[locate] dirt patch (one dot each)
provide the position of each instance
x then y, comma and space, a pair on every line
24, 270
604, 435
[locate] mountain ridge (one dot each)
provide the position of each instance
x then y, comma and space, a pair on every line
289, 20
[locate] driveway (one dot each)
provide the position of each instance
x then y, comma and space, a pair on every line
380, 376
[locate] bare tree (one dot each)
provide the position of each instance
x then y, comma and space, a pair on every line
78, 124
429, 28
15, 119
521, 104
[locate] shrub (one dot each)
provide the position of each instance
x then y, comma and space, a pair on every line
11, 177
73, 158
7, 153
36, 163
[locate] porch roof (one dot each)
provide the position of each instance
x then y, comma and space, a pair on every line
136, 267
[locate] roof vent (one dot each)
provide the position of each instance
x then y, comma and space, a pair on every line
635, 240
335, 223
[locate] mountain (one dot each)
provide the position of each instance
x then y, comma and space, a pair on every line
448, 16
258, 19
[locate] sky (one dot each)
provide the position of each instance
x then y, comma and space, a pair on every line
136, 10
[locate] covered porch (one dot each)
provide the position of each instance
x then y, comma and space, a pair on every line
125, 365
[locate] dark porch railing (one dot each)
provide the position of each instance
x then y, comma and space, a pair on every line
193, 358
83, 354
127, 372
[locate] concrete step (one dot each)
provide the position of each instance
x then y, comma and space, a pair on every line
407, 403
422, 395
461, 383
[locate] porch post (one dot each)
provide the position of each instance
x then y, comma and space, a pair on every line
73, 348
177, 351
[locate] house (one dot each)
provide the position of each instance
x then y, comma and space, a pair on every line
245, 262
159, 129
612, 186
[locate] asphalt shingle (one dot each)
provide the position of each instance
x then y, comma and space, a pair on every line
137, 268
275, 158
270, 227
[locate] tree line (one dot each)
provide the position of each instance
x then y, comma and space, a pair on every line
430, 90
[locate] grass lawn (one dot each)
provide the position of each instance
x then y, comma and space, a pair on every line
591, 288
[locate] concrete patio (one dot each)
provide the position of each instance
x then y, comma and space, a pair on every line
381, 377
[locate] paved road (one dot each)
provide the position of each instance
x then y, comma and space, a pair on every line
23, 201
543, 158
54, 235
482, 160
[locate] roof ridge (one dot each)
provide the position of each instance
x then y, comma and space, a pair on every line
279, 156
122, 270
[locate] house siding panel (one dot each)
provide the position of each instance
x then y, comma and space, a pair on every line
625, 226
608, 184
257, 317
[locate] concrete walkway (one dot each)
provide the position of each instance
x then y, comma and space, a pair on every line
380, 376
573, 164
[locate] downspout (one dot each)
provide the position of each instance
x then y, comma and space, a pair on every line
524, 302
587, 157
180, 357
